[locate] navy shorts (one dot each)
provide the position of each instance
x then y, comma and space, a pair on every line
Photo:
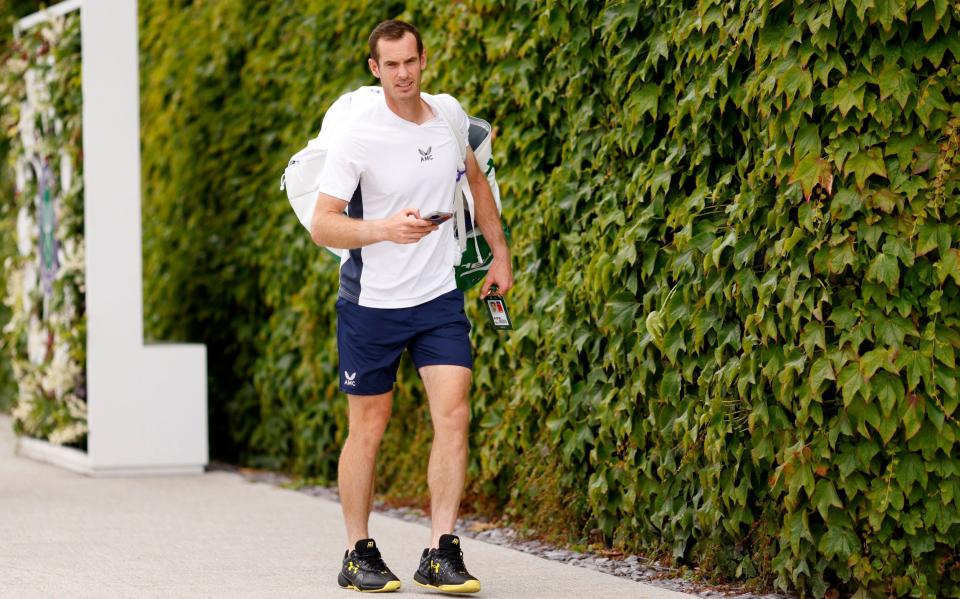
371, 340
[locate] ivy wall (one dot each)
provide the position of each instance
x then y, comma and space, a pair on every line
737, 246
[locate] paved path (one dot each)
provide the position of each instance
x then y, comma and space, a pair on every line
64, 535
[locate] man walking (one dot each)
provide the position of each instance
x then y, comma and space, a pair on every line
393, 163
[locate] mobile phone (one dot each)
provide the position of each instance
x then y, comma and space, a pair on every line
438, 217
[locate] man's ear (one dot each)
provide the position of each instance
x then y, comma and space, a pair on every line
423, 59
374, 67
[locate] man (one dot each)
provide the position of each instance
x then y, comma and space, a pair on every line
393, 163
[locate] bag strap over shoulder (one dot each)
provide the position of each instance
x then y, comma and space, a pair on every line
449, 118
458, 199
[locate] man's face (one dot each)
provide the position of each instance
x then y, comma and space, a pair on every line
400, 67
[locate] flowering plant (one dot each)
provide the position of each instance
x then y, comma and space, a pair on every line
45, 338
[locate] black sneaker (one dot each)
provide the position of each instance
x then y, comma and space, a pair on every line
363, 570
442, 569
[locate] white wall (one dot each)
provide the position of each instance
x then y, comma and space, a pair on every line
147, 405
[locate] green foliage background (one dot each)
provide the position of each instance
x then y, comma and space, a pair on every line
709, 363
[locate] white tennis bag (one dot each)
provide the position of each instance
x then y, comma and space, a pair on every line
301, 177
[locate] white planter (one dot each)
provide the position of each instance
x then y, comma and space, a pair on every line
68, 458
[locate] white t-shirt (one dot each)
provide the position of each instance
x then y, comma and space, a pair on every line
380, 164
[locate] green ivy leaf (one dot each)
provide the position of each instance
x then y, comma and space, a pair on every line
851, 380
839, 542
933, 236
887, 427
807, 141
620, 312
646, 100
948, 266
912, 417
886, 200
917, 366
889, 391
929, 21
822, 370
743, 251
824, 497
884, 269
887, 11
876, 359
899, 247
841, 256
809, 171
947, 380
864, 164
945, 354
673, 344
892, 330
849, 93
899, 83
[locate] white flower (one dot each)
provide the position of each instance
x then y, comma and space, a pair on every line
54, 28
60, 374
68, 434
36, 341
76, 407
29, 283
14, 287
17, 65
22, 410
25, 228
66, 171
22, 172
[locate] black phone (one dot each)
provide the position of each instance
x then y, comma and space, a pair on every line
438, 217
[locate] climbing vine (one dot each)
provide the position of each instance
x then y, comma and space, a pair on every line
737, 249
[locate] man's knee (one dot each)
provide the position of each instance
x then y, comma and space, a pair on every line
452, 420
368, 420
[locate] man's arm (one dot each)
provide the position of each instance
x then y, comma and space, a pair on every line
332, 228
485, 207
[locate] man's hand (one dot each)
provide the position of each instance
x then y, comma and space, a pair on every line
332, 228
500, 274
406, 226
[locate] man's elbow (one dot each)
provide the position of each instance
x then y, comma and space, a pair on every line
479, 185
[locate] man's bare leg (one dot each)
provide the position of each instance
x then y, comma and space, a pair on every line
369, 415
447, 388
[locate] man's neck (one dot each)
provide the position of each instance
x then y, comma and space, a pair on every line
414, 110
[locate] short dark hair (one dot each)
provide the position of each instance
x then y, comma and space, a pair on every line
392, 30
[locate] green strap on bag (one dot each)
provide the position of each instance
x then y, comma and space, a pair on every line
474, 251
475, 260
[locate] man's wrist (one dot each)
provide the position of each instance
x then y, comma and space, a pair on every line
501, 253
375, 230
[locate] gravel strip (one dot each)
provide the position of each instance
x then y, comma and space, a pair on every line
634, 567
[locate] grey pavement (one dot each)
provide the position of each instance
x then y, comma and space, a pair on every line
65, 535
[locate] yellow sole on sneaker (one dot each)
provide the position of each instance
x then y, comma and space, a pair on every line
471, 586
390, 587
